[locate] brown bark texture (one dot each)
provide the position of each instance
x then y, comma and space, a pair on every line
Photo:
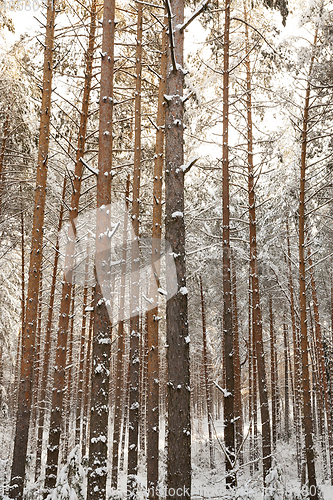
29, 332
47, 344
120, 351
179, 421
323, 385
229, 426
99, 410
82, 356
153, 375
207, 379
134, 393
256, 311
57, 416
238, 411
307, 409
297, 362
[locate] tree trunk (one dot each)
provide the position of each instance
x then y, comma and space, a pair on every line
134, 396
2, 154
286, 385
56, 423
99, 410
28, 337
250, 367
179, 401
297, 364
87, 381
120, 351
257, 321
207, 380
229, 426
153, 375
273, 374
68, 396
237, 367
82, 356
307, 410
321, 363
47, 345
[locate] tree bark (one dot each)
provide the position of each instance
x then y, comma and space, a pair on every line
56, 424
99, 410
2, 154
207, 380
134, 395
47, 345
82, 356
297, 363
238, 411
273, 374
229, 426
321, 363
153, 375
257, 320
286, 385
307, 410
120, 351
179, 402
29, 332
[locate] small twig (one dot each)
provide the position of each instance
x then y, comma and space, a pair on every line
154, 124
172, 42
92, 170
194, 15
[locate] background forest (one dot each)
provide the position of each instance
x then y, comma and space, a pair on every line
166, 279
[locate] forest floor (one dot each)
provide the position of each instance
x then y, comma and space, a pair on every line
207, 483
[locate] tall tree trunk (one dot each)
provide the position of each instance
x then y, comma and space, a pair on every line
47, 345
273, 373
69, 382
286, 385
297, 364
207, 380
153, 319
82, 356
22, 265
179, 401
87, 381
120, 351
321, 362
28, 337
229, 426
307, 410
250, 367
238, 412
257, 321
2, 154
134, 396
99, 410
56, 424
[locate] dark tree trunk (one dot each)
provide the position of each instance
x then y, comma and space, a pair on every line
229, 426
256, 311
57, 420
99, 410
179, 408
153, 375
134, 396
29, 331
307, 410
207, 380
238, 411
296, 364
120, 351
